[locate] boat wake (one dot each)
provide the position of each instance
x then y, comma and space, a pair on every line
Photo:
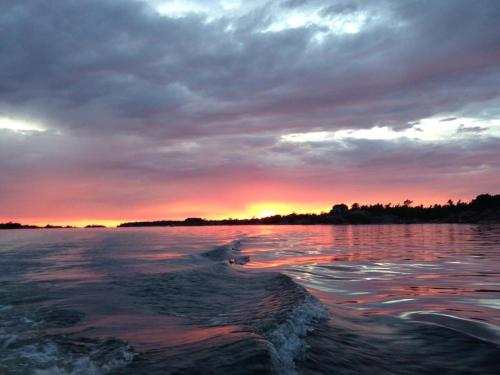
262, 307
28, 349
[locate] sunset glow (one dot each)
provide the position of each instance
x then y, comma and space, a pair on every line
266, 213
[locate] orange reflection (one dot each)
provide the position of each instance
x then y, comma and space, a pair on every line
314, 259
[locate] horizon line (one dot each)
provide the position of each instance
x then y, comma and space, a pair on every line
110, 223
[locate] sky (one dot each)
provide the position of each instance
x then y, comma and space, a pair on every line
113, 111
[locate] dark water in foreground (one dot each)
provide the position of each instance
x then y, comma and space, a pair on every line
393, 299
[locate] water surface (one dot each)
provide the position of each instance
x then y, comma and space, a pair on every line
393, 299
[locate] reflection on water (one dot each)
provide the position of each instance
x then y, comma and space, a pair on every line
390, 269
168, 305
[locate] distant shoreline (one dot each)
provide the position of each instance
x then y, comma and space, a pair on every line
35, 227
13, 225
484, 209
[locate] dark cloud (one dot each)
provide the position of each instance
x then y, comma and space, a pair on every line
470, 129
294, 3
126, 91
339, 8
126, 65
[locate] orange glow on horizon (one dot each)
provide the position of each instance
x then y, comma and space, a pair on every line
181, 212
208, 209
266, 213
265, 209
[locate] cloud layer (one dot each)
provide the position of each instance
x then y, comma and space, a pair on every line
146, 109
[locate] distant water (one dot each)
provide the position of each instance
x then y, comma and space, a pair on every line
388, 299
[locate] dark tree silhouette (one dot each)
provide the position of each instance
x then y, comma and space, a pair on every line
485, 208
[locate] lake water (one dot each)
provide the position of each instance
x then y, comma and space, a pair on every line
381, 299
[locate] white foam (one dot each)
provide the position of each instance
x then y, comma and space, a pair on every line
49, 358
288, 337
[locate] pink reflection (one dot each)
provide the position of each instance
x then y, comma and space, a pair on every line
146, 332
153, 256
71, 276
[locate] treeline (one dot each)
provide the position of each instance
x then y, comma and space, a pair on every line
11, 225
485, 208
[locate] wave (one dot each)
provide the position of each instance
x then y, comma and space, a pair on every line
229, 253
28, 349
264, 305
480, 330
382, 344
